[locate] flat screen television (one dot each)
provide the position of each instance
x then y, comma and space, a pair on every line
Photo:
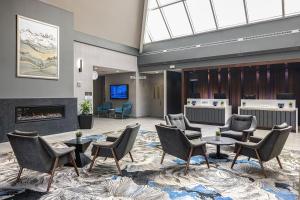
119, 91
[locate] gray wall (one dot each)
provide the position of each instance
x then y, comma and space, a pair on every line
280, 47
156, 95
10, 85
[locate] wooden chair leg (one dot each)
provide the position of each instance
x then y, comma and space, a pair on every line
105, 159
236, 156
280, 165
19, 175
249, 158
162, 158
131, 156
206, 160
52, 174
116, 160
94, 159
74, 164
261, 163
188, 162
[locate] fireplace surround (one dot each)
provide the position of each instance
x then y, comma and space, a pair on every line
44, 115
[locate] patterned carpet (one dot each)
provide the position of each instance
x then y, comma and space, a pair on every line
147, 179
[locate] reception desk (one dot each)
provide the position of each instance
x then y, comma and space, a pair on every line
208, 111
271, 112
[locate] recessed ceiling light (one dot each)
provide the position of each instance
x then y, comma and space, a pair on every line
165, 51
118, 71
198, 45
172, 66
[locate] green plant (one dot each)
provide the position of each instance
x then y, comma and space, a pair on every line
218, 133
222, 103
78, 134
291, 104
85, 107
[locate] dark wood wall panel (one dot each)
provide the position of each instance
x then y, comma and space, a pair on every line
214, 85
203, 84
263, 87
224, 81
277, 80
235, 89
249, 81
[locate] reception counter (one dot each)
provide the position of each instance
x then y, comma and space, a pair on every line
271, 112
207, 111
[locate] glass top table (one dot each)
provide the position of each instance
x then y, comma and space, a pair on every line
223, 141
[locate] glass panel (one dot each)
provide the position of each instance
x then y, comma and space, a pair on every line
146, 38
201, 15
156, 26
152, 4
292, 7
230, 12
165, 2
177, 19
259, 10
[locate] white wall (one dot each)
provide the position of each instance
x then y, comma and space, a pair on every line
94, 56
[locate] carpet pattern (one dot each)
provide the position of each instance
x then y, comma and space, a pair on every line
147, 179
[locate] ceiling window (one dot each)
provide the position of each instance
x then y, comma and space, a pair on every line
165, 2
230, 12
152, 4
292, 7
156, 26
147, 38
201, 15
259, 10
177, 20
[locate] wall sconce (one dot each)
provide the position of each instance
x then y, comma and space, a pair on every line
80, 65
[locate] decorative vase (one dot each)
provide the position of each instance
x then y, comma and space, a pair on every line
218, 137
78, 139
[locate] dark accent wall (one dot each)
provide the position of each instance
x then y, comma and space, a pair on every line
14, 87
173, 92
99, 92
264, 81
66, 124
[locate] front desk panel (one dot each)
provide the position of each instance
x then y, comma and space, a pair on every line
206, 115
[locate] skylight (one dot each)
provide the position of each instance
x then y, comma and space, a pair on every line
167, 19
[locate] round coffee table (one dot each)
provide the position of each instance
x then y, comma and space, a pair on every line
223, 141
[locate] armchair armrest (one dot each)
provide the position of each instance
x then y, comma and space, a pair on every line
105, 144
255, 139
250, 145
111, 139
196, 143
58, 152
224, 128
189, 126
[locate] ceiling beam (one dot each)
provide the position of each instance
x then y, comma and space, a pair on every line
214, 14
164, 19
144, 21
188, 16
246, 11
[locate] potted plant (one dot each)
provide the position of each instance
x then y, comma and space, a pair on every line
244, 104
291, 104
85, 119
222, 103
218, 135
78, 136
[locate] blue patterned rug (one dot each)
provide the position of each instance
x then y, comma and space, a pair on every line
147, 179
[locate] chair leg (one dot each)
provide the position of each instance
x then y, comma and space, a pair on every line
131, 156
19, 175
162, 158
206, 160
236, 156
94, 159
105, 159
261, 163
52, 174
116, 160
188, 162
249, 158
74, 164
280, 165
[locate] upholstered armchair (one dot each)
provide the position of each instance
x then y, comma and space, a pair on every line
34, 153
174, 142
264, 149
116, 148
239, 127
103, 108
124, 110
182, 123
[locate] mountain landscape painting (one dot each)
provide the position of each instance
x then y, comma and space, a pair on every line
38, 49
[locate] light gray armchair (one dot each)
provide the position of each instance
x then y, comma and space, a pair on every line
175, 143
34, 153
116, 148
181, 122
239, 127
264, 149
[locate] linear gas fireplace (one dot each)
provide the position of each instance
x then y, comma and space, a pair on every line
39, 113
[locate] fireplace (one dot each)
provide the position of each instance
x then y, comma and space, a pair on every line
39, 113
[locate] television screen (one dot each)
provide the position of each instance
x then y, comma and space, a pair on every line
119, 91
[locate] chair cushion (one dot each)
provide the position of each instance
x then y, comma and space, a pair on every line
23, 133
232, 134
177, 120
241, 122
192, 134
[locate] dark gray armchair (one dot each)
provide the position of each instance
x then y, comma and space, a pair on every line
239, 127
34, 153
116, 148
181, 122
175, 143
264, 149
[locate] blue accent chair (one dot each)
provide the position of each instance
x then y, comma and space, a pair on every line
124, 110
103, 108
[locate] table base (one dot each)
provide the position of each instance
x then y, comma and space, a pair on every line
218, 156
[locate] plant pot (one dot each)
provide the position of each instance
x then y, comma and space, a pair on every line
218, 138
78, 139
85, 121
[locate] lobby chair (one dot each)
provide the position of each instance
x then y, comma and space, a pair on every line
264, 149
124, 110
116, 148
239, 127
181, 122
174, 142
103, 108
34, 153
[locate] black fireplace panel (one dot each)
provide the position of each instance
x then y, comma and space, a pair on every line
39, 113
